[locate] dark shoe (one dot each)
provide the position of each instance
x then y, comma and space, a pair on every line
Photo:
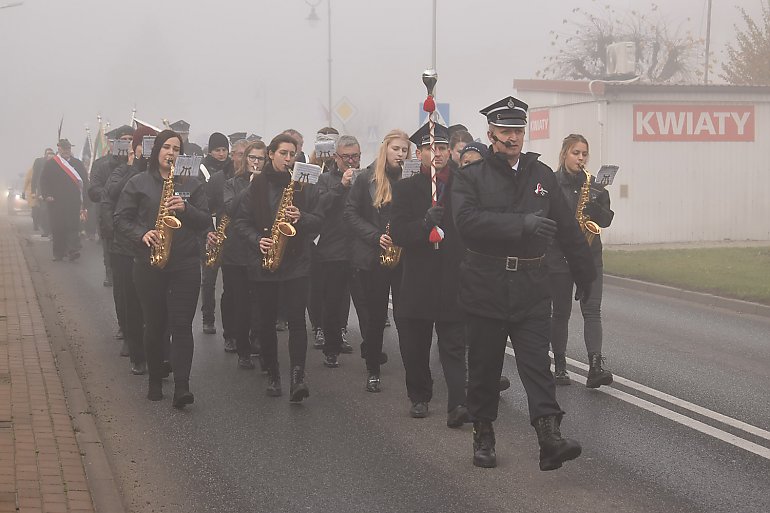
244, 362
182, 396
107, 283
138, 369
554, 450
155, 390
166, 369
505, 383
597, 376
299, 389
124, 349
484, 445
74, 255
274, 382
230, 346
281, 326
319, 339
330, 360
458, 416
373, 383
418, 410
119, 334
560, 369
209, 328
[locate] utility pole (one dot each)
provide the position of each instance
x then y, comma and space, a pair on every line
708, 44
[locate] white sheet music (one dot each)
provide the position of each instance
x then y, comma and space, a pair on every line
411, 168
606, 175
148, 141
306, 173
120, 148
187, 165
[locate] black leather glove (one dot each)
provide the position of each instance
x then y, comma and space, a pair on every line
433, 216
539, 226
583, 292
592, 210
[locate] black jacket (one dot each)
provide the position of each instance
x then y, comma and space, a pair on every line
235, 249
112, 189
490, 202
54, 182
254, 217
101, 170
215, 186
597, 209
137, 211
429, 283
365, 222
334, 243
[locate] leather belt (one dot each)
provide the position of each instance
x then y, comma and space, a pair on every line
510, 263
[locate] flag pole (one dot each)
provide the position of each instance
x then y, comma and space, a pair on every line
429, 78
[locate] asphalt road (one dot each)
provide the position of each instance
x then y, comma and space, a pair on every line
345, 450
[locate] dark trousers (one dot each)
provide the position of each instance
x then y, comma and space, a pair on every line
107, 257
168, 297
357, 296
334, 289
317, 301
487, 339
376, 285
236, 306
294, 292
124, 292
415, 337
65, 228
562, 293
208, 286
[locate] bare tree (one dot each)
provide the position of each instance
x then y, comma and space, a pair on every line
662, 55
749, 56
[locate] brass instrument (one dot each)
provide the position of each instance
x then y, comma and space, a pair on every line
165, 224
590, 229
390, 257
281, 231
214, 253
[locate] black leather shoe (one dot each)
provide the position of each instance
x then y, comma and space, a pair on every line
484, 445
274, 382
155, 390
318, 340
299, 389
597, 376
230, 346
244, 362
373, 383
554, 450
458, 416
124, 349
560, 373
331, 361
419, 410
209, 328
182, 397
138, 369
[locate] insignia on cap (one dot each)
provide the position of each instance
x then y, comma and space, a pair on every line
511, 104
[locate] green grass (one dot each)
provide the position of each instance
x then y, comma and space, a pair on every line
742, 273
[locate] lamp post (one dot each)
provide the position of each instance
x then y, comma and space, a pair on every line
313, 19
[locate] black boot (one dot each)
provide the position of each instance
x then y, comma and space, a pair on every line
182, 395
484, 445
274, 381
596, 375
299, 389
554, 450
155, 389
560, 369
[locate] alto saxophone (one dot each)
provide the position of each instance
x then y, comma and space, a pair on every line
590, 229
214, 253
281, 231
392, 256
165, 224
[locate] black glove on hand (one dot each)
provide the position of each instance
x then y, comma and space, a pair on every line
433, 216
583, 292
592, 210
539, 226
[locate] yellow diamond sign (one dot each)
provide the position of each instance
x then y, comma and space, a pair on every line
345, 110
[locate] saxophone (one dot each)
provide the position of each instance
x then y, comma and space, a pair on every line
590, 229
165, 224
392, 256
214, 253
281, 231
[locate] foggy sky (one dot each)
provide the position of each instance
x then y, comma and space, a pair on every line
258, 65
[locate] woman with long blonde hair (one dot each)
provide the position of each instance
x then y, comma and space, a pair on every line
367, 213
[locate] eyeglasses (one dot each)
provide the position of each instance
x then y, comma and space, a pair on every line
352, 157
256, 157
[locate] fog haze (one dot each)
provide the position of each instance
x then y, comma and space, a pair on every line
258, 66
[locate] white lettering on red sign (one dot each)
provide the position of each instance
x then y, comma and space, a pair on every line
693, 122
539, 124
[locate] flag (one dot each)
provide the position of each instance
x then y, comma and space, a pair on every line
61, 122
85, 157
101, 146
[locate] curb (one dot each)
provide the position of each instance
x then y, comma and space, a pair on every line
105, 493
736, 305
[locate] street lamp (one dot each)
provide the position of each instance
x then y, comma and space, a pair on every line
313, 20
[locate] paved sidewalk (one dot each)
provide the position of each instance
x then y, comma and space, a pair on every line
41, 469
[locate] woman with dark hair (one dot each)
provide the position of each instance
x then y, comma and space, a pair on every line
367, 213
236, 305
571, 177
253, 220
169, 295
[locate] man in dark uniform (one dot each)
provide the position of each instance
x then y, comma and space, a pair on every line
429, 284
182, 127
62, 184
42, 210
507, 209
